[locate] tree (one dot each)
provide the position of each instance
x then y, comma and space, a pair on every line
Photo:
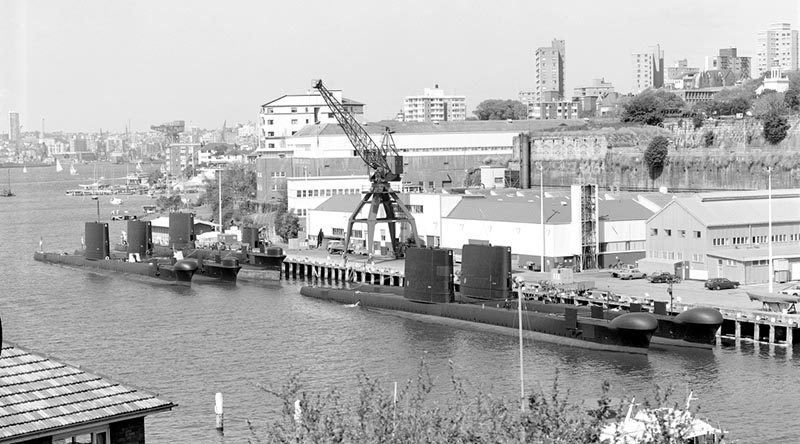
496, 109
287, 225
775, 128
655, 156
697, 121
708, 138
650, 107
769, 103
167, 204
238, 192
154, 177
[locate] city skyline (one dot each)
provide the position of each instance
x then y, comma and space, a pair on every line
103, 64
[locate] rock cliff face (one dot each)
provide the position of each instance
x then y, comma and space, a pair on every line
738, 158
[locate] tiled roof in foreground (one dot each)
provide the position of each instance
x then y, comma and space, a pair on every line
39, 395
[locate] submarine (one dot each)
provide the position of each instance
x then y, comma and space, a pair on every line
97, 255
483, 300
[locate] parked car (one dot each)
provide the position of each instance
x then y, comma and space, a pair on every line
663, 278
721, 283
793, 290
335, 246
634, 273
622, 267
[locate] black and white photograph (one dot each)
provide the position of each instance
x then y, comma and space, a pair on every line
399, 222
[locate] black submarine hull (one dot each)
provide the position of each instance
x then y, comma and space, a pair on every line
630, 333
181, 272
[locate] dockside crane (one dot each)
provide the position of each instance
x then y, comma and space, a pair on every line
385, 166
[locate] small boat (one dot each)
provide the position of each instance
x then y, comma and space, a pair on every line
116, 201
59, 168
24, 169
776, 302
72, 170
665, 423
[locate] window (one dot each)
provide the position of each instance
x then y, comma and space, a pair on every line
271, 145
294, 121
271, 134
654, 232
327, 192
338, 231
358, 233
270, 122
294, 132
97, 435
306, 121
499, 180
417, 209
667, 232
316, 193
682, 233
299, 194
697, 235
294, 110
274, 187
305, 193
270, 111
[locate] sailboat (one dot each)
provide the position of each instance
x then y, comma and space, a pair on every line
7, 192
59, 168
139, 168
24, 169
72, 170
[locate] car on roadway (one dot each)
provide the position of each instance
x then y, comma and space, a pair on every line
623, 267
720, 284
663, 278
634, 273
793, 290
335, 246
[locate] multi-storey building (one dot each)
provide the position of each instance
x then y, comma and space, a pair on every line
648, 69
677, 74
13, 127
284, 116
550, 64
434, 106
577, 108
729, 61
777, 47
181, 156
598, 88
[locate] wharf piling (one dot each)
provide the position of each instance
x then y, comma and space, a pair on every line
343, 271
761, 327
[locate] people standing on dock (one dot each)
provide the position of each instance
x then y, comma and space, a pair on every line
320, 236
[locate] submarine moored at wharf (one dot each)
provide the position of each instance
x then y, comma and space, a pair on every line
429, 291
97, 255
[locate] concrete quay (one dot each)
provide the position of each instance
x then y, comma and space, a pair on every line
744, 320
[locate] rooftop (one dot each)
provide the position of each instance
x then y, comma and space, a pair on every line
512, 208
40, 395
727, 208
462, 126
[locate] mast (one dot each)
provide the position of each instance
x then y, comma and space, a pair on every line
521, 371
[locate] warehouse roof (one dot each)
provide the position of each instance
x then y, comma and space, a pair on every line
462, 126
505, 208
622, 209
40, 396
741, 207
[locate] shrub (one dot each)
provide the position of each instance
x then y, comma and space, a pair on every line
776, 128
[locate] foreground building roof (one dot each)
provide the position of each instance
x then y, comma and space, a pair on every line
456, 126
40, 396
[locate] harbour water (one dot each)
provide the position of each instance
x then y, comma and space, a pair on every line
186, 344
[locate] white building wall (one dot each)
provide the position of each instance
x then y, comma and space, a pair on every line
622, 231
306, 193
523, 238
424, 144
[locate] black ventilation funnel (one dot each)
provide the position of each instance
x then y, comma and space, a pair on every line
486, 272
429, 275
181, 230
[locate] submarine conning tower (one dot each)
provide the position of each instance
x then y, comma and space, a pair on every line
181, 230
140, 237
96, 238
486, 272
429, 275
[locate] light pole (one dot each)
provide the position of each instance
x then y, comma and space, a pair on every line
541, 210
97, 199
769, 226
219, 188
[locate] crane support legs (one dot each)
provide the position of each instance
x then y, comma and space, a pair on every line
389, 201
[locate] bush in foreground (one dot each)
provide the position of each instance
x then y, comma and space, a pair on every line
373, 415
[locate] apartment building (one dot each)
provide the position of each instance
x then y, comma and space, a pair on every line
284, 116
678, 75
648, 69
728, 60
550, 62
777, 47
434, 106
598, 88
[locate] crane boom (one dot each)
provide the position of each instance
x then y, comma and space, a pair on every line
387, 166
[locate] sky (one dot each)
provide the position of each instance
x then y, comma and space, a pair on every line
87, 65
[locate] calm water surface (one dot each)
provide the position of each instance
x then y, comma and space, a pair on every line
187, 344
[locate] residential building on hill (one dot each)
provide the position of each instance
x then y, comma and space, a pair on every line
777, 47
729, 61
677, 74
283, 117
648, 69
434, 106
550, 62
598, 88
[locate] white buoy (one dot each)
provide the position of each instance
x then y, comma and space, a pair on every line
218, 411
298, 412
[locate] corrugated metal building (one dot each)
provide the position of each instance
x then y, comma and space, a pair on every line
725, 234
